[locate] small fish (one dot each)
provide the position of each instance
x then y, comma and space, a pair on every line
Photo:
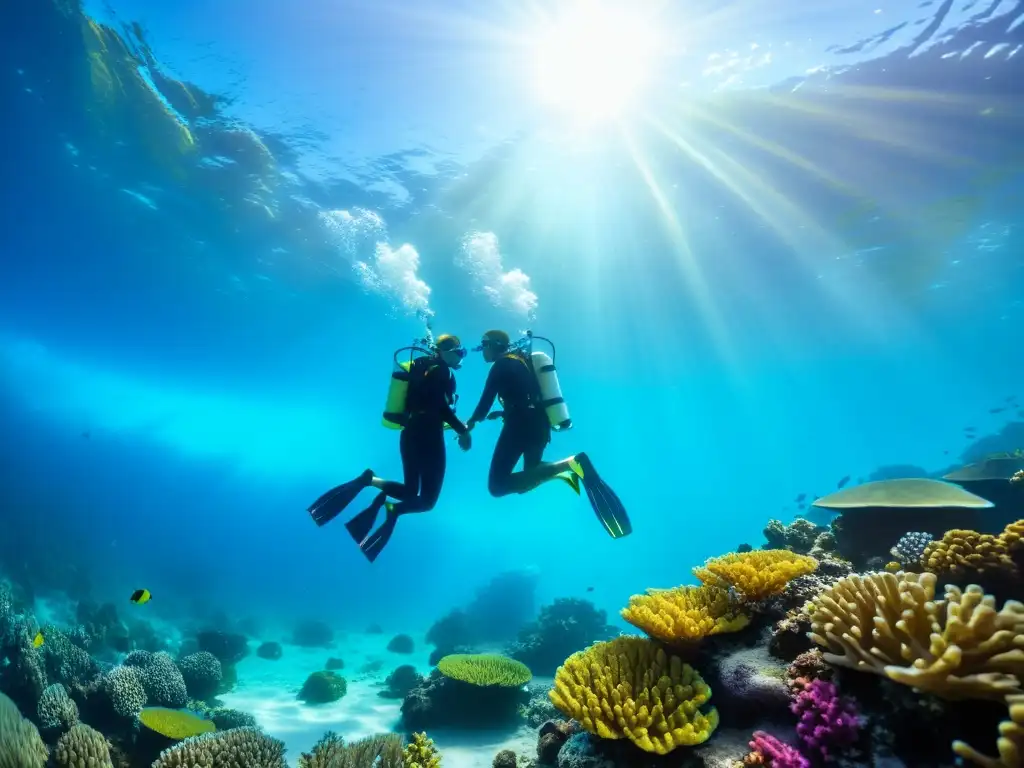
996, 410
37, 640
842, 482
140, 596
86, 435
800, 498
802, 505
1011, 398
590, 589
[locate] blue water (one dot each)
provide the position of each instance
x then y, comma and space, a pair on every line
797, 257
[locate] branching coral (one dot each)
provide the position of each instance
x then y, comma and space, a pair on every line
756, 575
56, 710
20, 745
960, 552
770, 751
485, 669
828, 723
421, 753
82, 747
382, 751
890, 624
684, 614
1010, 743
628, 688
247, 747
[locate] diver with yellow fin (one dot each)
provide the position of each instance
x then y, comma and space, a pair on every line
421, 403
526, 385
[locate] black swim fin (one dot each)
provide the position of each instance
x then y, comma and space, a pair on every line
359, 527
331, 504
372, 544
606, 505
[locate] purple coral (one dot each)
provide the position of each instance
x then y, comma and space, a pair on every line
777, 754
827, 721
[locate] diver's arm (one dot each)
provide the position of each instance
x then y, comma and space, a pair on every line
487, 398
448, 412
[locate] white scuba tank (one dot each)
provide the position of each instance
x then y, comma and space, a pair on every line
550, 391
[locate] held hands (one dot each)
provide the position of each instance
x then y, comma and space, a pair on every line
465, 441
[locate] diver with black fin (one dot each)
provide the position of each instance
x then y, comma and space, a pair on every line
421, 403
526, 385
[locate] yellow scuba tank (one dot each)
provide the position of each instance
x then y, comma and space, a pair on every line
550, 390
395, 416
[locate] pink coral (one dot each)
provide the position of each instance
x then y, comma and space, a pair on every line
776, 753
827, 721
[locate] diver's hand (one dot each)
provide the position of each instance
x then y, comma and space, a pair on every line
465, 441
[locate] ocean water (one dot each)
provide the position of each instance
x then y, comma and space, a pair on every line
774, 246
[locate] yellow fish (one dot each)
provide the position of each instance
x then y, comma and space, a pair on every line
37, 640
140, 596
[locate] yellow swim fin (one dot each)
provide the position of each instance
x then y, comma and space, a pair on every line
571, 479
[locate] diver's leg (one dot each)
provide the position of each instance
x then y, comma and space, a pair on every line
431, 462
535, 470
507, 451
410, 473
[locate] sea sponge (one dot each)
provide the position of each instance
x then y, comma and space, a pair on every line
20, 744
960, 552
960, 647
1010, 743
125, 690
684, 614
82, 747
56, 710
627, 688
756, 575
421, 753
485, 669
248, 747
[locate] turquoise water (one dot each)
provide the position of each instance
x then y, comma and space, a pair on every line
787, 251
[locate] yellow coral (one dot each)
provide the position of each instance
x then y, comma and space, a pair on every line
1013, 534
684, 613
960, 647
960, 552
628, 688
1010, 743
421, 753
757, 574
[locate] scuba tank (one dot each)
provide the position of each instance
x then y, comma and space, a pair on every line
395, 413
543, 367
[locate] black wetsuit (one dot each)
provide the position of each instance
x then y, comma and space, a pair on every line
526, 430
430, 406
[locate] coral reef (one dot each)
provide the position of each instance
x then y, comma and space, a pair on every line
628, 688
268, 650
382, 751
538, 710
756, 575
125, 690
401, 680
323, 687
828, 723
910, 548
20, 743
444, 702
161, 678
401, 644
772, 752
202, 673
247, 747
82, 747
565, 626
685, 614
799, 536
313, 633
891, 624
56, 712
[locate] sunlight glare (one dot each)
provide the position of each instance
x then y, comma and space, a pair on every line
593, 62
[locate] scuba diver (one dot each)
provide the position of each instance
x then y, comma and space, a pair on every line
526, 385
421, 403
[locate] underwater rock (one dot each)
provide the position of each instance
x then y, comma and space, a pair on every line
402, 680
401, 644
270, 650
565, 626
323, 687
334, 663
749, 686
227, 647
449, 632
744, 548
313, 634
810, 666
374, 629
551, 737
441, 702
789, 637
